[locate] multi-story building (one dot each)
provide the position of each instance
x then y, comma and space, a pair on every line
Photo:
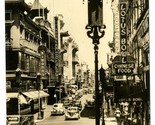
84, 76
132, 87
70, 60
29, 56
138, 40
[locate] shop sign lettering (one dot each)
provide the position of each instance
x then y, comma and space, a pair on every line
123, 41
123, 66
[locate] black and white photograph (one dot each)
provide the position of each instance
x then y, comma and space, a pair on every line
77, 62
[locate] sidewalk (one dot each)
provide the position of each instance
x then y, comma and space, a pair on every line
47, 113
110, 121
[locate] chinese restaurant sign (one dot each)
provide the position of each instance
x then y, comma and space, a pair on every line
123, 64
123, 41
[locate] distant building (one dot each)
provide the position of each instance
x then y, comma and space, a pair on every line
133, 87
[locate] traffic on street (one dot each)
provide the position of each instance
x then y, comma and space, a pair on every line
85, 116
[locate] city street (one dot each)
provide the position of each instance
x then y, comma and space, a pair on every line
92, 56
59, 120
55, 120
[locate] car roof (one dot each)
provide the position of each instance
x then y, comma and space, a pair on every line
58, 104
75, 107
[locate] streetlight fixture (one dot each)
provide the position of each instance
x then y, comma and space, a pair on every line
38, 88
95, 32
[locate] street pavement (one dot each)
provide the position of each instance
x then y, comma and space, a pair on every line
47, 120
47, 113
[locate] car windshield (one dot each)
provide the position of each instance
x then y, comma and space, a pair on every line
72, 108
57, 105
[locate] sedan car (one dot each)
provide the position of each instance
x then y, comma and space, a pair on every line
78, 104
58, 109
72, 113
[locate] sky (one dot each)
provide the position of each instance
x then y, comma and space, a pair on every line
75, 18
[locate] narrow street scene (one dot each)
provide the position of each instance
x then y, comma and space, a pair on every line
77, 62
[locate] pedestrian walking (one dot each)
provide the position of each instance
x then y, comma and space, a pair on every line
118, 116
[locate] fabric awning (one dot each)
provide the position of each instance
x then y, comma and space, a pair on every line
42, 94
22, 99
31, 95
35, 94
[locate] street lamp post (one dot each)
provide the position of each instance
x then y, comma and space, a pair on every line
95, 32
18, 82
38, 87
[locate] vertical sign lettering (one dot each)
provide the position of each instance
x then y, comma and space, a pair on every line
123, 41
56, 48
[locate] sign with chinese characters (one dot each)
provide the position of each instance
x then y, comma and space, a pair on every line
42, 51
123, 40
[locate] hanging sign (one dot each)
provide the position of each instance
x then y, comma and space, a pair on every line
123, 64
123, 40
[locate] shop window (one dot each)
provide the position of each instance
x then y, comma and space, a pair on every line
26, 35
31, 38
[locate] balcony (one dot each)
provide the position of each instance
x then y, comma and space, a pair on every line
75, 47
29, 45
64, 48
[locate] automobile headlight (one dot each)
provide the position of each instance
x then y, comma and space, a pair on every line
53, 110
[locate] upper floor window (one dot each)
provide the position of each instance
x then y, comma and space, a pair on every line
8, 15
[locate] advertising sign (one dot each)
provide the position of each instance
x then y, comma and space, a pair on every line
123, 64
123, 40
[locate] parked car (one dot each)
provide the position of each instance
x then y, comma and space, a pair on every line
90, 102
72, 113
58, 109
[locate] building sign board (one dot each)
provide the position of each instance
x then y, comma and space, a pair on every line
130, 99
123, 40
123, 64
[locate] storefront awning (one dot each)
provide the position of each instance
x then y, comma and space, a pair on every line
31, 95
22, 99
42, 94
35, 94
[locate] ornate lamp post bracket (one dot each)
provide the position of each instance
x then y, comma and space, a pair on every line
95, 33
